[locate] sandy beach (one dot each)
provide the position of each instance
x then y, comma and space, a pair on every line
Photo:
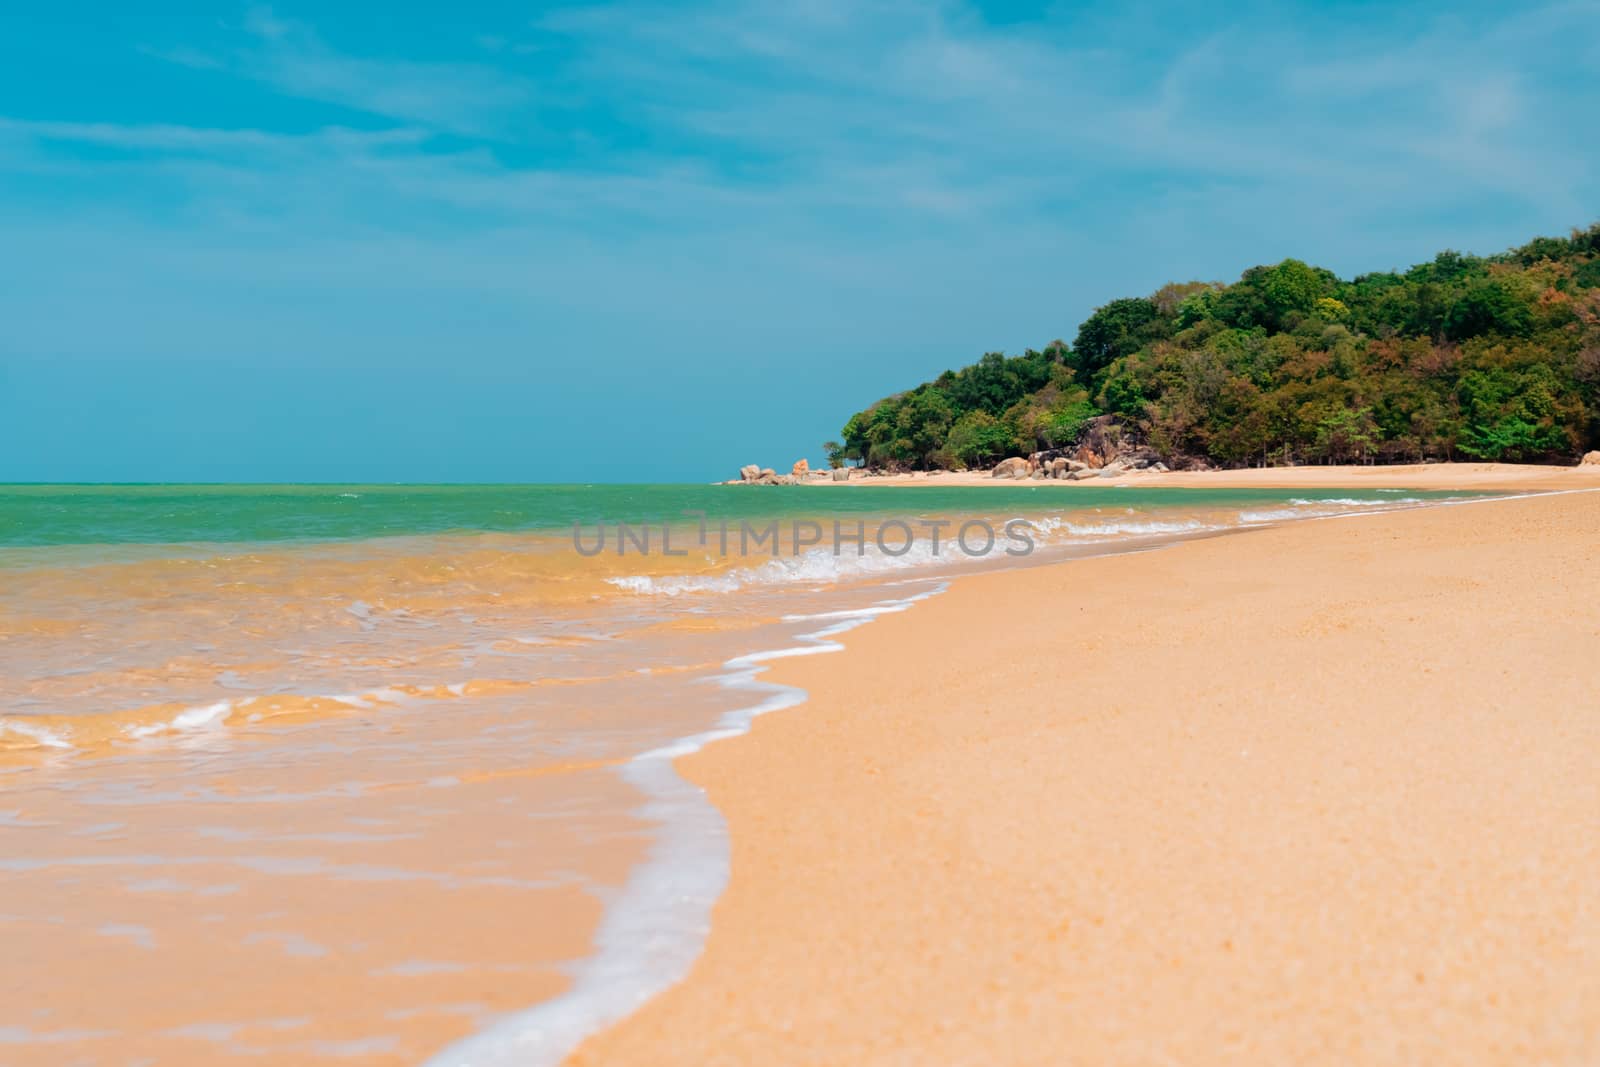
1323, 793
1498, 477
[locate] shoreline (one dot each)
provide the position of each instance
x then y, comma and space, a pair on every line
872, 894
675, 886
1422, 476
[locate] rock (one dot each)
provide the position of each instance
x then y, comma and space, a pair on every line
1113, 471
801, 468
767, 472
1015, 467
1058, 467
841, 474
1591, 459
1039, 475
1074, 465
1082, 473
1160, 468
749, 473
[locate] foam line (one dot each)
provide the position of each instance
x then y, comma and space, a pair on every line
656, 927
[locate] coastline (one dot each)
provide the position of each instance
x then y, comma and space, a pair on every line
1507, 477
1275, 846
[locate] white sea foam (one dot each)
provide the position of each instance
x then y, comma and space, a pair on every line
817, 566
822, 566
653, 931
1300, 508
1134, 529
204, 717
39, 735
1349, 502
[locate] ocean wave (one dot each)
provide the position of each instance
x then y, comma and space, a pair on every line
31, 735
814, 567
1319, 509
20, 734
1351, 502
1135, 528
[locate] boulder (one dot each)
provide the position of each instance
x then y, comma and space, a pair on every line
1039, 475
749, 473
1591, 459
841, 474
1015, 467
1058, 467
1116, 470
801, 468
1082, 473
767, 472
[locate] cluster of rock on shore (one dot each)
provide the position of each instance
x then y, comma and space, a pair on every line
1043, 465
1077, 465
1040, 465
799, 474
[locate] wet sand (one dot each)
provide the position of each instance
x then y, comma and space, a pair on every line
1324, 793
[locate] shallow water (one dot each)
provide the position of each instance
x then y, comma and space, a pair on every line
356, 772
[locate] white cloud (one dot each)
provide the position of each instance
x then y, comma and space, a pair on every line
465, 98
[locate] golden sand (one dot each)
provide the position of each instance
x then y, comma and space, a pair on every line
1496, 477
1323, 794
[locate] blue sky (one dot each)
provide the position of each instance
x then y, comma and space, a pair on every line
641, 241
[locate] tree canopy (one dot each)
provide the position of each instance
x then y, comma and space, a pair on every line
1464, 357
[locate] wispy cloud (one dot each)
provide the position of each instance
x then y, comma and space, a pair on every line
289, 55
159, 137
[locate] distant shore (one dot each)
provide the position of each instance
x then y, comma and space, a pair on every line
1487, 476
1204, 805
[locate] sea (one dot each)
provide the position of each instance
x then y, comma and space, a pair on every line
381, 774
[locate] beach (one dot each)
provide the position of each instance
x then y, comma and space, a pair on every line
1321, 793
394, 774
1498, 477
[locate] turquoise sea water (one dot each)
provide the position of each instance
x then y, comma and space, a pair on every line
45, 515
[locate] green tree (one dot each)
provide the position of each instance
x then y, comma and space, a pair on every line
1119, 329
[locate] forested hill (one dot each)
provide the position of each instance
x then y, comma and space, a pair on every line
1494, 358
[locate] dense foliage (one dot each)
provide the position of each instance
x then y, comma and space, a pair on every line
1494, 358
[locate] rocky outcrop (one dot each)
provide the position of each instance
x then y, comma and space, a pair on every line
841, 474
1015, 467
754, 475
801, 468
1591, 459
1105, 441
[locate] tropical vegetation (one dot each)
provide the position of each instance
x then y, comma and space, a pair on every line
1461, 358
